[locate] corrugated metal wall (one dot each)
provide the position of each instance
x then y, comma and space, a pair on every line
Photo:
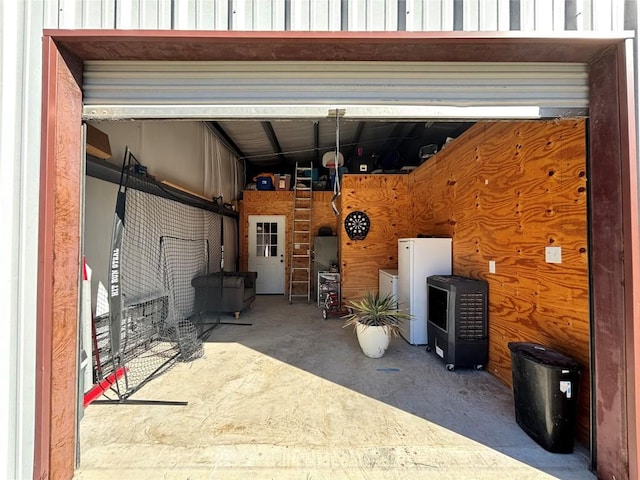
20, 78
336, 15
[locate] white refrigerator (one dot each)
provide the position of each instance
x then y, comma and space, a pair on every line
388, 282
419, 258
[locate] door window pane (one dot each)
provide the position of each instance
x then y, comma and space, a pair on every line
266, 239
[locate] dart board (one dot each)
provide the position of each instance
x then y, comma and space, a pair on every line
357, 225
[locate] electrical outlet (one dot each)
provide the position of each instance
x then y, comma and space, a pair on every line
553, 254
492, 266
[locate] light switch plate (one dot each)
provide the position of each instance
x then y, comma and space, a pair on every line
492, 266
553, 254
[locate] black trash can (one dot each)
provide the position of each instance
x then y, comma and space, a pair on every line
545, 390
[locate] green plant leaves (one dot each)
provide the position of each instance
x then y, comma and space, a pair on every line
376, 310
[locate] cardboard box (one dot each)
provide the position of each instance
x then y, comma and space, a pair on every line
98, 143
283, 182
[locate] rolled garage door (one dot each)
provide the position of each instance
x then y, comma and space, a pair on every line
227, 89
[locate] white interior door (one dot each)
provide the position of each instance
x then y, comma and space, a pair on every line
266, 252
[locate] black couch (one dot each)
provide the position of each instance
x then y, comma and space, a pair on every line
237, 293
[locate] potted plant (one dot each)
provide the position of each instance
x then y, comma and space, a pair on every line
375, 318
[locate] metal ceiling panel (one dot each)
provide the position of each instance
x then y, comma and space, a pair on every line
250, 138
296, 138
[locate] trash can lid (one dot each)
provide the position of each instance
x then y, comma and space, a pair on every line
543, 355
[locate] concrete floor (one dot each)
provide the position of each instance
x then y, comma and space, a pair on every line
293, 397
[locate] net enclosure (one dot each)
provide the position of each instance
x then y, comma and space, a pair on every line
160, 242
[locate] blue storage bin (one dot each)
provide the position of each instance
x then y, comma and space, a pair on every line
264, 183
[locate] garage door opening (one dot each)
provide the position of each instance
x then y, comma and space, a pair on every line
615, 146
407, 201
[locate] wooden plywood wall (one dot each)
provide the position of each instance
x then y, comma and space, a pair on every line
280, 202
503, 192
384, 199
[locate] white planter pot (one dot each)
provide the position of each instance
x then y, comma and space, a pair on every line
374, 341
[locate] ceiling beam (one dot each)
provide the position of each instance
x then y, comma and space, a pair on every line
226, 139
273, 140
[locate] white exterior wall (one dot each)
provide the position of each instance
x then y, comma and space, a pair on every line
335, 15
20, 113
21, 23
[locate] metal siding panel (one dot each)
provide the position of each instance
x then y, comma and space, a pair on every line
301, 17
92, 15
583, 14
504, 18
447, 15
278, 16
558, 15
527, 15
335, 15
488, 16
374, 15
415, 15
243, 15
617, 14
392, 15
383, 16
70, 13
470, 15
432, 16
127, 16
602, 20
222, 15
108, 13
211, 14
268, 15
354, 13
319, 12
51, 14
185, 17
325, 15
82, 14
155, 14
357, 15
543, 15
21, 26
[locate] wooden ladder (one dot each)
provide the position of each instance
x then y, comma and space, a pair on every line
300, 264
